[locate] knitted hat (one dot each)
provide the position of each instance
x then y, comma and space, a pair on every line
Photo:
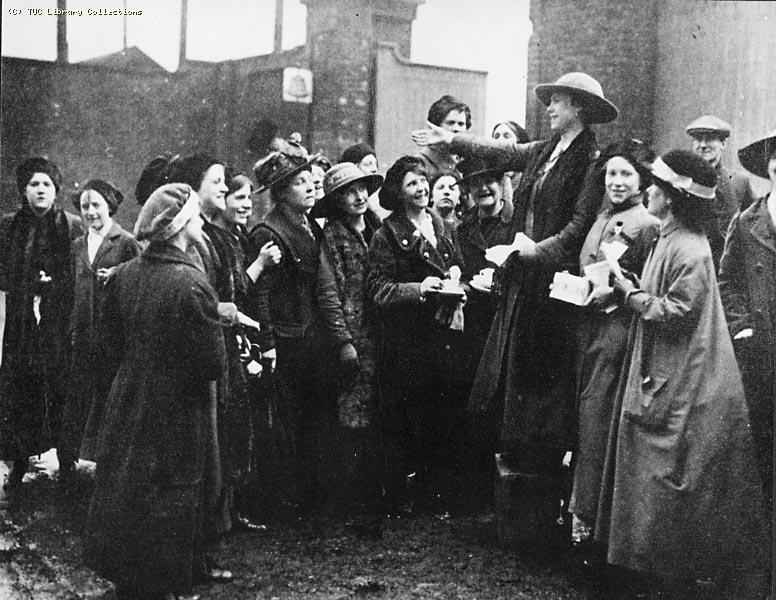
37, 164
338, 177
709, 124
687, 173
755, 157
166, 212
356, 153
112, 195
586, 89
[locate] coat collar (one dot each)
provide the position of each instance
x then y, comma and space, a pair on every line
758, 221
410, 240
668, 226
167, 253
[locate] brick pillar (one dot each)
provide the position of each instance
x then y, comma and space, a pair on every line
614, 41
342, 37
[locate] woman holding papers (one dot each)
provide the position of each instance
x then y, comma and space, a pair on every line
681, 497
526, 373
625, 226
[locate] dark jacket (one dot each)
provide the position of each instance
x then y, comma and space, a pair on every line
526, 374
90, 379
300, 292
400, 258
734, 194
747, 284
437, 161
156, 449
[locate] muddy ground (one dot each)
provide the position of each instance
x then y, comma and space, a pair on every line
426, 556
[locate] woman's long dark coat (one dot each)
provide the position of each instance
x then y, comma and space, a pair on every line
416, 358
90, 379
747, 284
526, 374
156, 453
33, 375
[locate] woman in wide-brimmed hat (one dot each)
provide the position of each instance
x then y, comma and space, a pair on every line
297, 300
93, 258
409, 257
36, 293
681, 497
747, 283
526, 374
350, 226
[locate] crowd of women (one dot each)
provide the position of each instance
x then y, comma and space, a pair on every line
370, 344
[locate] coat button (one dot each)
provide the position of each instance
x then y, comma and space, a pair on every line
404, 243
759, 267
425, 255
446, 256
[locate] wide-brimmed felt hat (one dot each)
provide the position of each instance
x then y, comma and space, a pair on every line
754, 157
686, 172
587, 90
278, 167
338, 177
709, 124
476, 167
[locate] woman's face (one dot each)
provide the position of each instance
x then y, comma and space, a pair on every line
446, 193
657, 202
563, 114
95, 211
621, 179
40, 193
504, 132
239, 206
299, 193
212, 190
317, 173
368, 164
486, 193
414, 189
353, 199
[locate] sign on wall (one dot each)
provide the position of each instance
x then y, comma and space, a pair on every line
297, 85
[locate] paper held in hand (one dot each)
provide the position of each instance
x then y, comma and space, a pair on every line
612, 252
570, 288
498, 255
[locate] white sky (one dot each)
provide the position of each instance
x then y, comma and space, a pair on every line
490, 35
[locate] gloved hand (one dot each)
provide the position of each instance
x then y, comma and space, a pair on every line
349, 366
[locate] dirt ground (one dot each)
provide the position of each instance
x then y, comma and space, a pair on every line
422, 557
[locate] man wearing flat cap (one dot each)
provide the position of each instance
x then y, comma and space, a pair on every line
734, 192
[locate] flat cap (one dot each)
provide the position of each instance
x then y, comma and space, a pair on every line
709, 124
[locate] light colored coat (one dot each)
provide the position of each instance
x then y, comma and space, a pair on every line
680, 495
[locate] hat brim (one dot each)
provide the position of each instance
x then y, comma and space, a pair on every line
720, 133
754, 157
327, 206
497, 172
283, 177
599, 110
